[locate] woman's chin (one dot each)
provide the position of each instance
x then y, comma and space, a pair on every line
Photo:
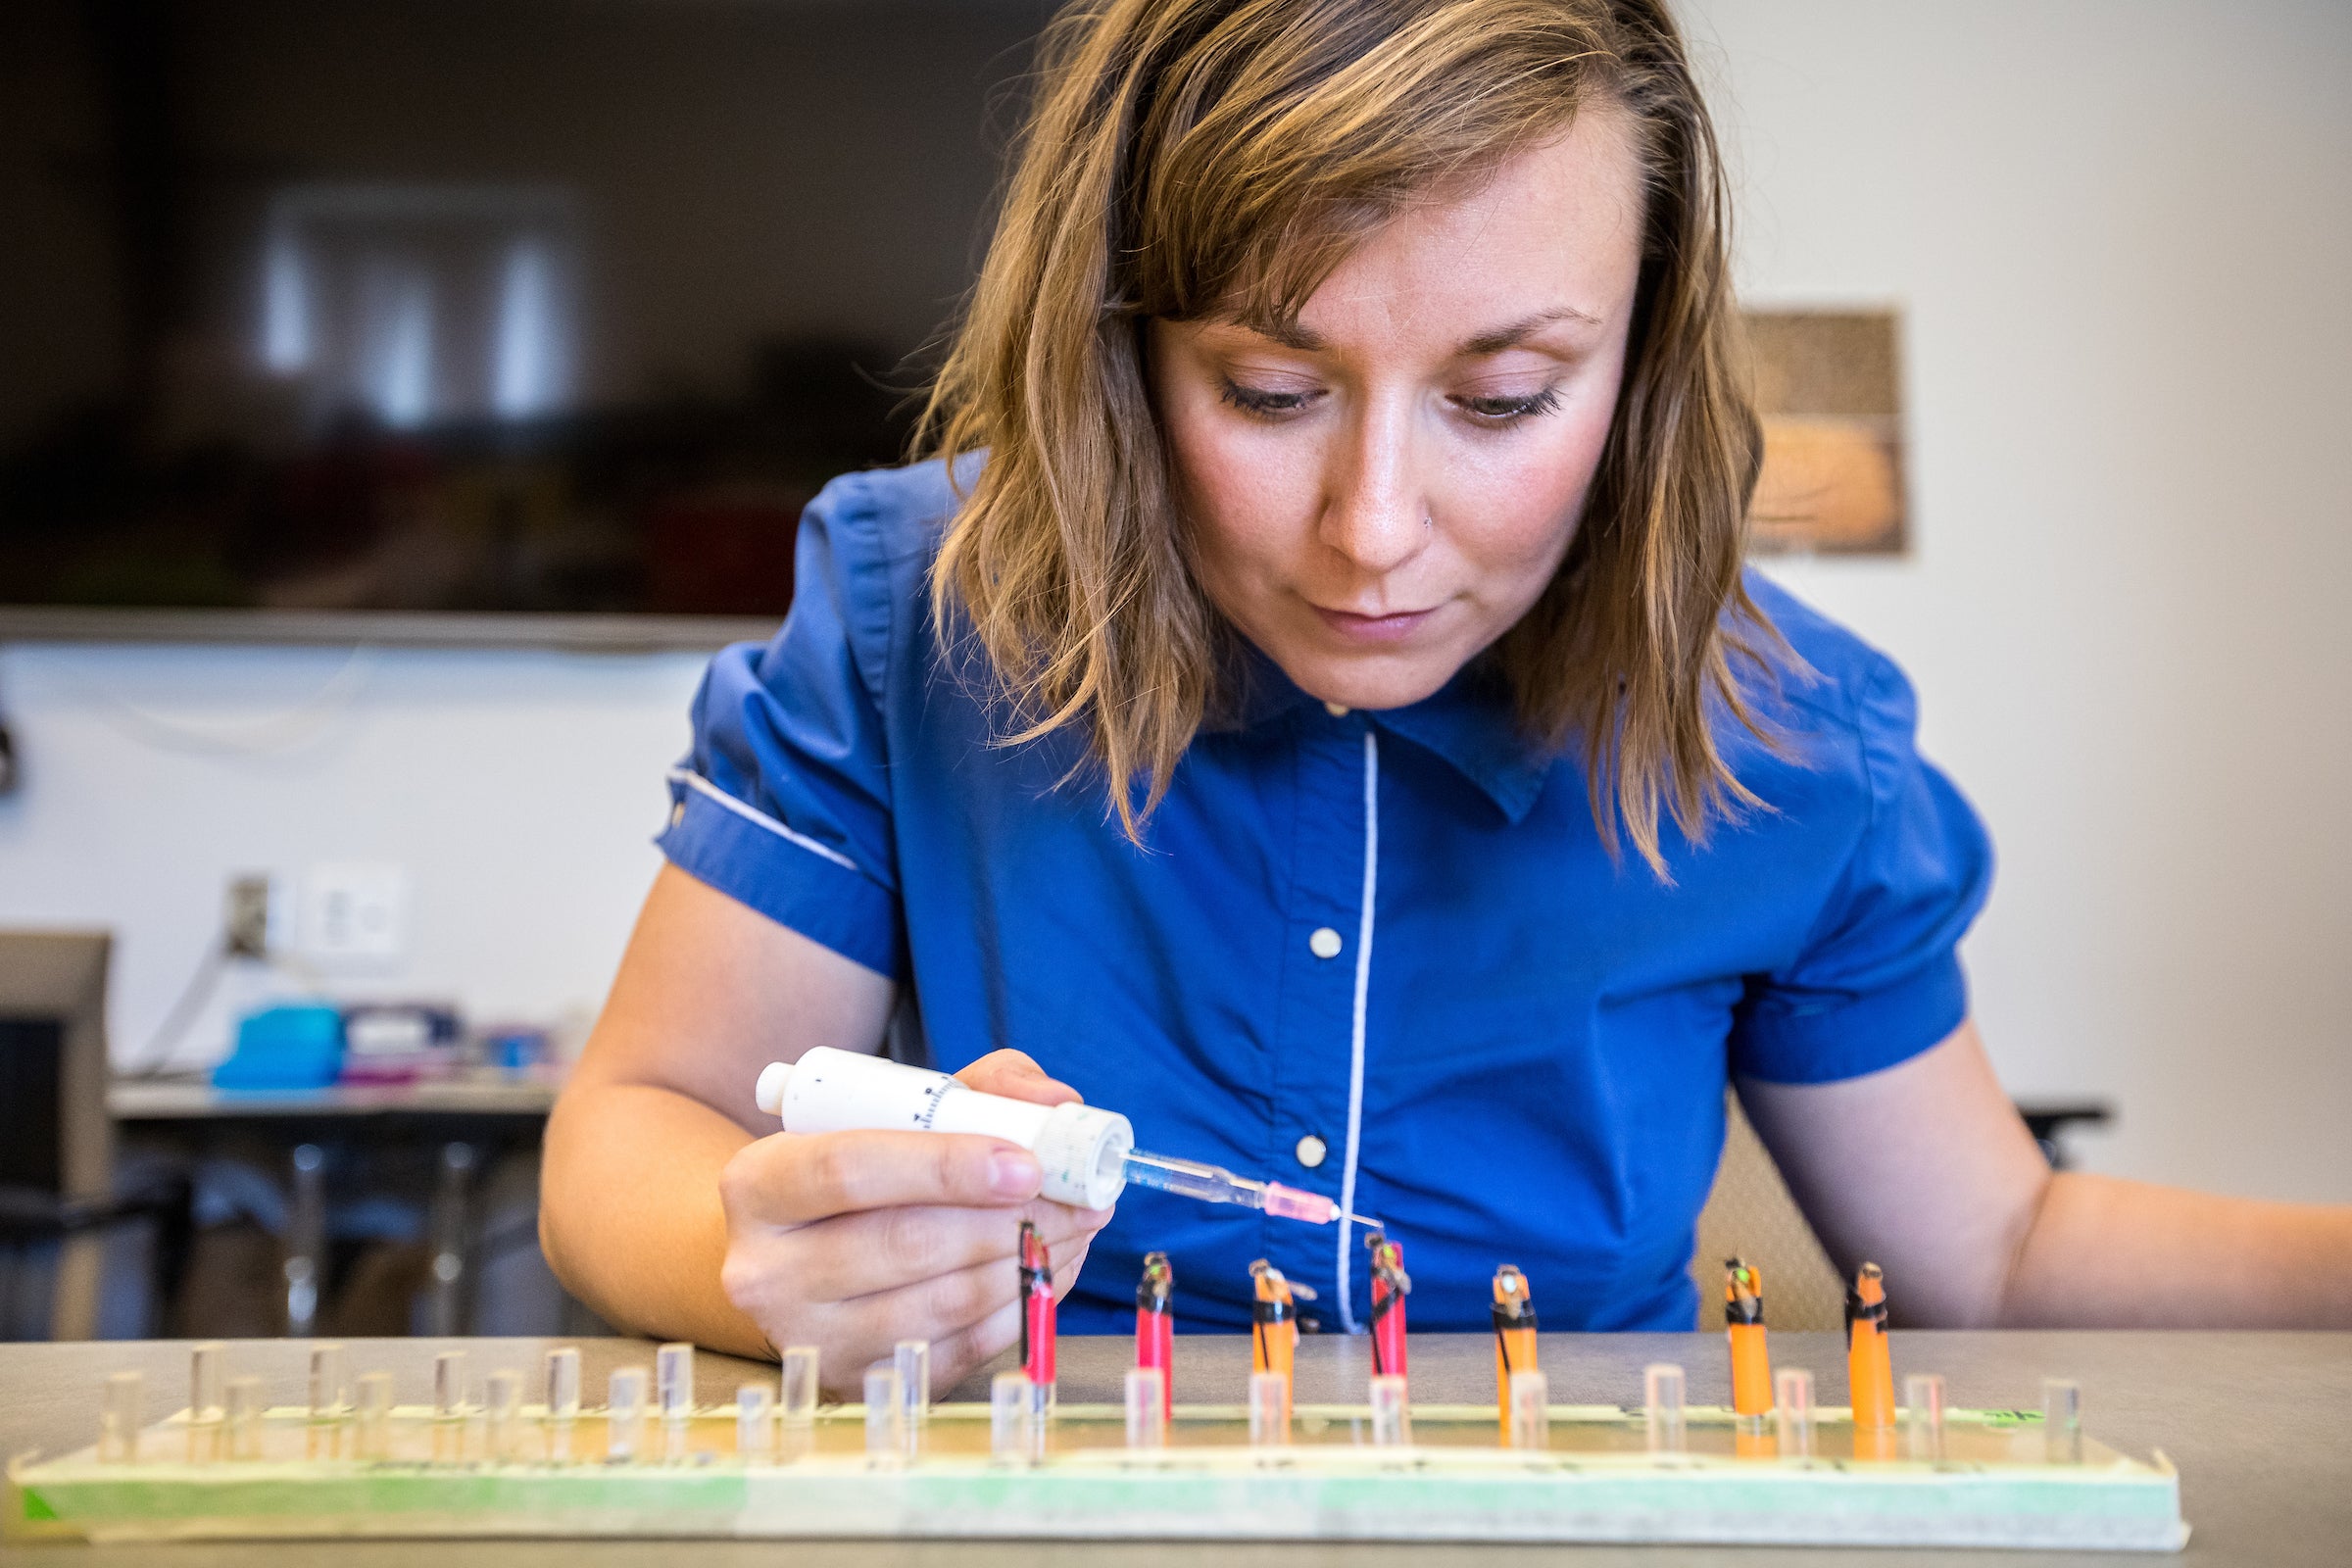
1393, 679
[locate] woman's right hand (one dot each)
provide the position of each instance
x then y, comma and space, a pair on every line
854, 1240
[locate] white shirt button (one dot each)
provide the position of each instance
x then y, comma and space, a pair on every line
1312, 1151
1336, 709
1325, 943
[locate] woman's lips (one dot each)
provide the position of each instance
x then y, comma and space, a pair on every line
1390, 628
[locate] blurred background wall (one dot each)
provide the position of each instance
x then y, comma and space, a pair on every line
2119, 234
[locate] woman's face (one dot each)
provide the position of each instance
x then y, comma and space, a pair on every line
1377, 497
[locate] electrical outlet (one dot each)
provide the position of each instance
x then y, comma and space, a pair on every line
257, 915
355, 910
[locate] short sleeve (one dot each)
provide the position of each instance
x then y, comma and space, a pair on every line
784, 803
1878, 979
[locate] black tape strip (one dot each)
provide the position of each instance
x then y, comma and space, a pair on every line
1856, 1312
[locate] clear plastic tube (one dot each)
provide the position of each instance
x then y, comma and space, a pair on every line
327, 1393
206, 1362
1270, 1409
755, 1423
797, 1391
1662, 1404
884, 1416
1922, 1416
449, 1386
502, 1413
1146, 1407
1010, 1439
1392, 1412
243, 1420
2062, 1420
1792, 1407
1044, 1403
911, 1360
121, 1417
374, 1434
561, 1392
674, 1381
1530, 1410
624, 1412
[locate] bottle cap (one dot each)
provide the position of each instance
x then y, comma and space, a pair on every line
1082, 1150
768, 1093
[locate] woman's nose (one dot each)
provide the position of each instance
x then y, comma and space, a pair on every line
1376, 515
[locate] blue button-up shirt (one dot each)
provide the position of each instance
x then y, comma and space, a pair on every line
1395, 934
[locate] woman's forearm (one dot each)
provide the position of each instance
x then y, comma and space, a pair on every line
2113, 1254
1926, 1169
630, 1217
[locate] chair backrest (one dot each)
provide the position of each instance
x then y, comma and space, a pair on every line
32, 1061
53, 992
1751, 1213
52, 1070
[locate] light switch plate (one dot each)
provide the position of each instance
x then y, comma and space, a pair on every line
355, 910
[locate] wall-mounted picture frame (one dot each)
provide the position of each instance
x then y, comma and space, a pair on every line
1829, 390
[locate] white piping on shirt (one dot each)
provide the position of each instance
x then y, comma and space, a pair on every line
702, 786
1356, 1042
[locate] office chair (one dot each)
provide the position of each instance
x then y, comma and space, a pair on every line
1752, 1215
57, 1145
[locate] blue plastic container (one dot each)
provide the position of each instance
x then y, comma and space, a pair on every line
295, 1045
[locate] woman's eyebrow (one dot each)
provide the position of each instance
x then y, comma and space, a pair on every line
1518, 332
1289, 333
1293, 335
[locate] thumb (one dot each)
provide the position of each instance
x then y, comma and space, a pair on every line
1013, 1075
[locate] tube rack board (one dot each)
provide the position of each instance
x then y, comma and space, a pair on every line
1990, 1484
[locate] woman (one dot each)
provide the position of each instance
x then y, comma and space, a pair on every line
1313, 704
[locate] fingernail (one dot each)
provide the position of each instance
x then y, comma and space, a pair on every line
1012, 1173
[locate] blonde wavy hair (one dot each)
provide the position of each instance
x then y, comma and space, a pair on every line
1190, 159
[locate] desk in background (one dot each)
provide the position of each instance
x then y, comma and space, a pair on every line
457, 1127
464, 1101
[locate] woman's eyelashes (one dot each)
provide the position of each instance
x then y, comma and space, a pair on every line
1510, 410
1492, 410
1264, 401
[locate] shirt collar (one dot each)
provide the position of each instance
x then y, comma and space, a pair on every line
1467, 722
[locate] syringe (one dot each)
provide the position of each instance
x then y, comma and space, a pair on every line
1214, 1184
1088, 1153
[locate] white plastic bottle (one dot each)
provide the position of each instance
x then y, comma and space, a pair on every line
1082, 1148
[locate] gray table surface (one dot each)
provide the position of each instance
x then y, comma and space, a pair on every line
2259, 1424
146, 1100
